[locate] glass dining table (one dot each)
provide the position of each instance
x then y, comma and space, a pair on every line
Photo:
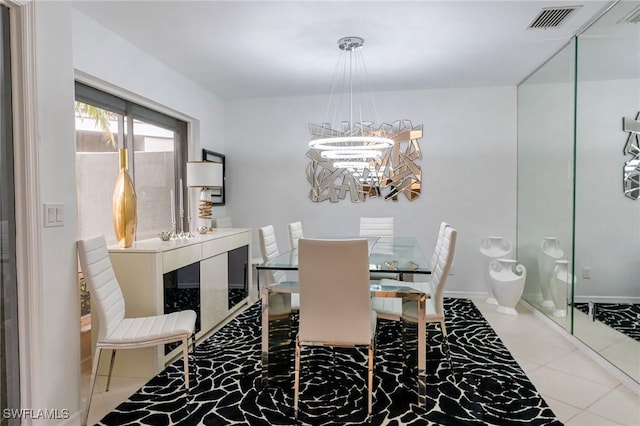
401, 256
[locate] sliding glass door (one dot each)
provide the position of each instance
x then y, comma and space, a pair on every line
9, 361
156, 145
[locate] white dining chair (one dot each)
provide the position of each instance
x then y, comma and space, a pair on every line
376, 227
269, 251
223, 222
116, 332
395, 309
295, 233
435, 288
379, 227
335, 302
439, 242
391, 308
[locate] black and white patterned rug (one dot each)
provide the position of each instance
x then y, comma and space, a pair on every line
489, 387
624, 317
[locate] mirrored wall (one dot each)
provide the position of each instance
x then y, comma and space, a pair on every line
578, 233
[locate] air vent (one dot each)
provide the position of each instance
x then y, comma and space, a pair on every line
632, 18
552, 17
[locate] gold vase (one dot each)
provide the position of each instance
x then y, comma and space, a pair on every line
125, 219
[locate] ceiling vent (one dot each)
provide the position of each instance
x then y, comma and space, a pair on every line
552, 17
631, 18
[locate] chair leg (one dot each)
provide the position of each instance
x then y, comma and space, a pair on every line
92, 384
185, 352
445, 339
113, 358
296, 381
370, 390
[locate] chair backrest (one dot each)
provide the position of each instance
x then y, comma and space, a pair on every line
376, 226
106, 296
442, 266
439, 241
269, 251
223, 222
335, 298
295, 233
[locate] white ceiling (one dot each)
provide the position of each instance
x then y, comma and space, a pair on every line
284, 48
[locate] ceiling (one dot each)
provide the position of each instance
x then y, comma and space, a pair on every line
239, 49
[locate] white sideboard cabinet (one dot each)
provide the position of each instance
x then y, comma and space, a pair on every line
209, 273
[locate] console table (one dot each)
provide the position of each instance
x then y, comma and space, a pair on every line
208, 265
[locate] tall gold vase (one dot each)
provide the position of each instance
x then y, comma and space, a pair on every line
125, 219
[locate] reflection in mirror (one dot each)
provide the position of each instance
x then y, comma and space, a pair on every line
569, 113
631, 176
545, 182
607, 241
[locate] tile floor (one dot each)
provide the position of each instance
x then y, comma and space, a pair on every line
578, 390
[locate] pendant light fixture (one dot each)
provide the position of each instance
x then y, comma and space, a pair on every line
348, 133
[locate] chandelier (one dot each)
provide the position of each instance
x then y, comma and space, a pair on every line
348, 134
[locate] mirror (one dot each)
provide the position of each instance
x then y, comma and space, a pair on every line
577, 230
607, 220
545, 181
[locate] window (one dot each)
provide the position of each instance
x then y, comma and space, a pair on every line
157, 145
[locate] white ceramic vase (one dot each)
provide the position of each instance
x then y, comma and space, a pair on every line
493, 248
507, 281
550, 252
560, 284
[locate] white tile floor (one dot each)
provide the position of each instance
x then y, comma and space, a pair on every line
578, 390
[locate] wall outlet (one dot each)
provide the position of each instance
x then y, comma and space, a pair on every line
451, 270
586, 272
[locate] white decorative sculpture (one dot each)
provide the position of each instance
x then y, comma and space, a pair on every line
493, 248
560, 282
507, 281
550, 252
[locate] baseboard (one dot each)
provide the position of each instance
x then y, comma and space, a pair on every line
606, 299
588, 351
466, 294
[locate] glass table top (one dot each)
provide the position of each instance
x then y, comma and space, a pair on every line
386, 254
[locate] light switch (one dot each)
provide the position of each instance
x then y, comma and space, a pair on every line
53, 214
60, 215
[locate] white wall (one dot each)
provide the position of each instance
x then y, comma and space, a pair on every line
469, 170
103, 57
59, 318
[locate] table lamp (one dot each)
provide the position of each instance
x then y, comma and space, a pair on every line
204, 175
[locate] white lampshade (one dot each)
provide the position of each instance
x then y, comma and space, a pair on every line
205, 174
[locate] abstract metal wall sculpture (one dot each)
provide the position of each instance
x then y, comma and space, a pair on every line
631, 173
393, 173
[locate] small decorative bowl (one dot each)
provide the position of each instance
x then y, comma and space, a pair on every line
165, 236
203, 229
